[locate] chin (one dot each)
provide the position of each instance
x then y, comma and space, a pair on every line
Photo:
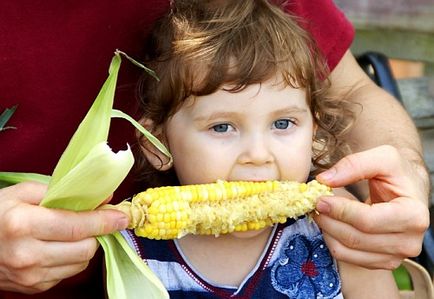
249, 234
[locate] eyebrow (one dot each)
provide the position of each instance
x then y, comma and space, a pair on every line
292, 109
225, 114
214, 115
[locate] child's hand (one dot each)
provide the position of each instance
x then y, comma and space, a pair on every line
40, 246
381, 234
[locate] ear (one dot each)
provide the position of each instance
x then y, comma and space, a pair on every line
154, 156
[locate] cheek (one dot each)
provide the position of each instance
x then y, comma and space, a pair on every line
184, 160
296, 169
196, 163
249, 234
296, 160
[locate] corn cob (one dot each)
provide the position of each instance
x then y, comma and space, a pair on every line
218, 208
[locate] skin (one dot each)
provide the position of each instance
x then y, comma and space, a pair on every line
390, 165
263, 132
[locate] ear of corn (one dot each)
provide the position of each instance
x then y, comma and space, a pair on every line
219, 208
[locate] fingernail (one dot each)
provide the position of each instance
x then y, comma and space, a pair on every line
328, 174
323, 207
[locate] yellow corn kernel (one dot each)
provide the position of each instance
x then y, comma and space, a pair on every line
222, 207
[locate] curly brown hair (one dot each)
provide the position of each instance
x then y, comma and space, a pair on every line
237, 43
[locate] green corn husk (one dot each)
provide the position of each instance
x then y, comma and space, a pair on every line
86, 174
12, 178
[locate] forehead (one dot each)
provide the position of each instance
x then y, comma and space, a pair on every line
268, 95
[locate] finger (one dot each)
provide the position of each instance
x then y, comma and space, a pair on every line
13, 287
19, 258
398, 244
61, 225
69, 253
63, 272
396, 216
378, 162
370, 260
29, 192
38, 280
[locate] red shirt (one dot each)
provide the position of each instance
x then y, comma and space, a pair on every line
54, 59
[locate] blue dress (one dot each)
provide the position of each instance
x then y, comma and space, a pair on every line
296, 263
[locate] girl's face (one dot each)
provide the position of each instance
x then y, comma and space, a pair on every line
261, 133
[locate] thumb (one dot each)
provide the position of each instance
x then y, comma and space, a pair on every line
379, 162
74, 226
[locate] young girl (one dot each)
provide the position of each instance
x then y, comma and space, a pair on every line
242, 96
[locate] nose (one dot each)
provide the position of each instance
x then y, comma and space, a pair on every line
256, 150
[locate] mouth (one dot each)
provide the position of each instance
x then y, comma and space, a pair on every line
254, 179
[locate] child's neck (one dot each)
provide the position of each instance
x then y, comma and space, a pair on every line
225, 260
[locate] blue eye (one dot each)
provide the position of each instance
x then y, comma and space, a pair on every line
221, 128
282, 124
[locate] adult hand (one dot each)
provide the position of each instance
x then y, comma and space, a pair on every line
40, 246
389, 225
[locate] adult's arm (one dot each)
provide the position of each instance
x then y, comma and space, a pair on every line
40, 246
382, 120
388, 154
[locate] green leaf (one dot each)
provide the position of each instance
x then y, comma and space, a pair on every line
148, 135
140, 65
5, 116
128, 277
12, 178
402, 278
91, 181
93, 129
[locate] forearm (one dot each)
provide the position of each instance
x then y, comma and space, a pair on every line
355, 279
383, 120
380, 119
